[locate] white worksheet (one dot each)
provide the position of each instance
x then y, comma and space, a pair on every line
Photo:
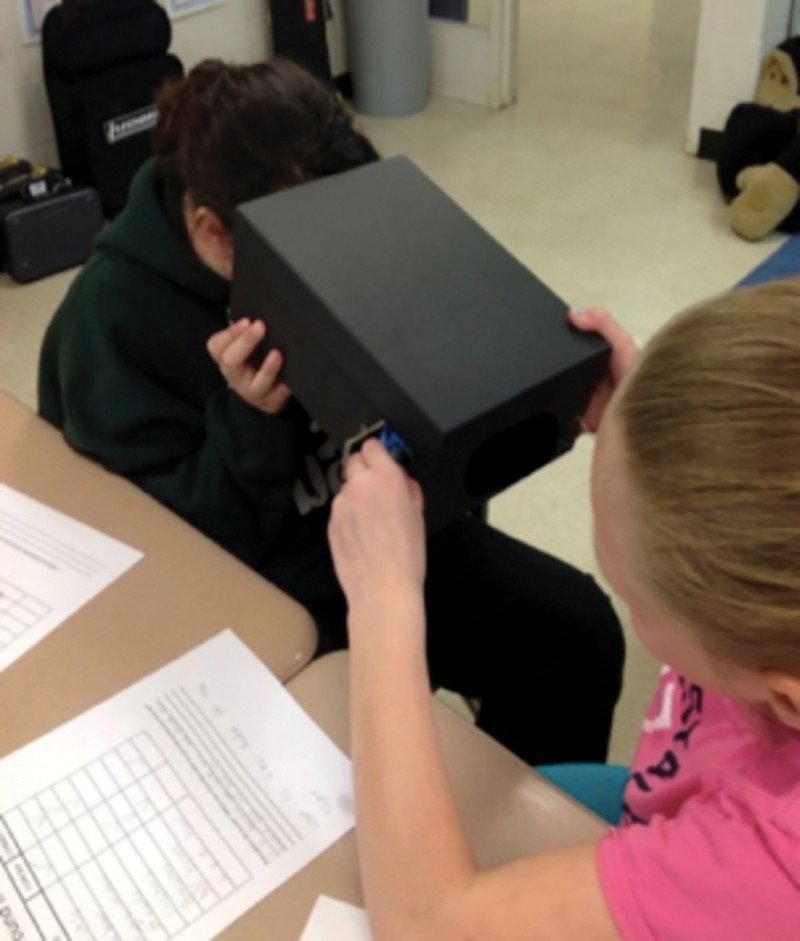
337, 921
50, 565
169, 810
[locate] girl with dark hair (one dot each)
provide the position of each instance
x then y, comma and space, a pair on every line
125, 372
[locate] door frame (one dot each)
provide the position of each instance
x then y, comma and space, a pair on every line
476, 64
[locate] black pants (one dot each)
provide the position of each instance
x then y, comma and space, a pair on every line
535, 640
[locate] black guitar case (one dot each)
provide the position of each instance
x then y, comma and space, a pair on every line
104, 62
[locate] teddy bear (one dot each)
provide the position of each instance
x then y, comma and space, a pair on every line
758, 166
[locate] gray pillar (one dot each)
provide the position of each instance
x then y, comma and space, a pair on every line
389, 48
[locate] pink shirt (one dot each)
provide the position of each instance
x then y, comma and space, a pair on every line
709, 847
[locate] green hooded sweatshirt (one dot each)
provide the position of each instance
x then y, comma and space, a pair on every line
125, 374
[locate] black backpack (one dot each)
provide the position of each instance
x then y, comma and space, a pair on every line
104, 62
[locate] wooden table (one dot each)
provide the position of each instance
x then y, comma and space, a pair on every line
184, 590
508, 810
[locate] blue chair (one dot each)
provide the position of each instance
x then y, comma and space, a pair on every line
598, 787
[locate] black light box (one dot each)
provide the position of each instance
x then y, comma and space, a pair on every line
390, 304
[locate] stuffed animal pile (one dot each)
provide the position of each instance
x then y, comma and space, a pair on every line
759, 163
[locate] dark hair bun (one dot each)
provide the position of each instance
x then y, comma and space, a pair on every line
229, 133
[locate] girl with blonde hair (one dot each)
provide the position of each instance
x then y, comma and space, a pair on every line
696, 500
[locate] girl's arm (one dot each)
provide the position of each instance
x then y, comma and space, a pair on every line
420, 879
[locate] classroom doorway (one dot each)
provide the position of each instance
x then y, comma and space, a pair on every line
475, 50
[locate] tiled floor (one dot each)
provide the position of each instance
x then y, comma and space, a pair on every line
587, 182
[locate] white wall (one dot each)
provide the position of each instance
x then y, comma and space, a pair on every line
237, 31
733, 38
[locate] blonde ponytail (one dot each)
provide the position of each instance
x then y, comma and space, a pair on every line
711, 420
